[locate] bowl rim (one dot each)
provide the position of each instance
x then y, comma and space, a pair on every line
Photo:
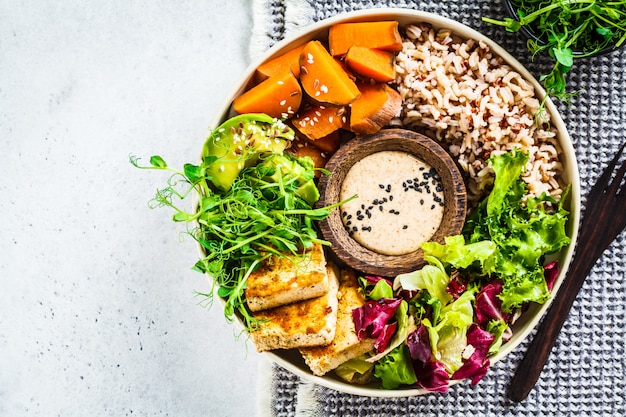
405, 16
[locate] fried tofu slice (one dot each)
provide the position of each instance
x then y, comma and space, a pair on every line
346, 344
304, 323
285, 280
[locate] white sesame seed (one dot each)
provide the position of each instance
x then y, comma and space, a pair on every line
280, 82
283, 102
330, 119
222, 168
324, 89
318, 113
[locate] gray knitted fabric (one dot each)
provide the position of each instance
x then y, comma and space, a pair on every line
585, 374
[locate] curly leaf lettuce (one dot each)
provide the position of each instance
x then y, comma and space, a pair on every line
395, 368
523, 231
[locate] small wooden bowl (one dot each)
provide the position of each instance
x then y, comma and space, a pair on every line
332, 228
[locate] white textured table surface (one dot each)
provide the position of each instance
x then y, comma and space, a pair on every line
97, 311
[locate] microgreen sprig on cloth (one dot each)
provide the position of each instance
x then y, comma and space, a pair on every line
567, 30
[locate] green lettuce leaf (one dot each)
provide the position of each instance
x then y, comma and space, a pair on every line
432, 278
395, 368
461, 255
522, 231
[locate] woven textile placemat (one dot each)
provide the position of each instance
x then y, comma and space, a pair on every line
586, 372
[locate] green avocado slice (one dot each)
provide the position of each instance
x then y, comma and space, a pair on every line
240, 141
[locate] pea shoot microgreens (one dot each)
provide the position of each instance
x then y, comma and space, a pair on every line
259, 216
567, 30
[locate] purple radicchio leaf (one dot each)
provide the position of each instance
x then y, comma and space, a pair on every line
488, 305
382, 341
457, 285
551, 272
371, 318
476, 366
432, 376
418, 342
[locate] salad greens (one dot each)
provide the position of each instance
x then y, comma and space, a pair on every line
523, 231
265, 209
567, 30
455, 312
430, 326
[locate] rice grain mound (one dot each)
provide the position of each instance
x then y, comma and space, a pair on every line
460, 93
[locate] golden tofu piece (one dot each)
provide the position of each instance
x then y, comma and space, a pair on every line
346, 344
304, 323
284, 280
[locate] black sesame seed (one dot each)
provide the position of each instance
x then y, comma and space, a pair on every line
432, 207
422, 202
388, 188
405, 227
358, 212
375, 202
396, 212
369, 215
385, 200
382, 186
349, 223
354, 228
349, 216
390, 198
404, 184
409, 181
360, 218
380, 208
344, 214
362, 206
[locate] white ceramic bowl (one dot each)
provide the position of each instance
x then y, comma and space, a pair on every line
291, 360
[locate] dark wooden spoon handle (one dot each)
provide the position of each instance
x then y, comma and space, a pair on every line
532, 364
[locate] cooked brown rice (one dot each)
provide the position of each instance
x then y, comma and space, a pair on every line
465, 96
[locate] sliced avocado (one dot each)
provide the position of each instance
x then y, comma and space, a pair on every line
299, 169
240, 141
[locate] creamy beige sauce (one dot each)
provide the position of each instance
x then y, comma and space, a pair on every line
399, 205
